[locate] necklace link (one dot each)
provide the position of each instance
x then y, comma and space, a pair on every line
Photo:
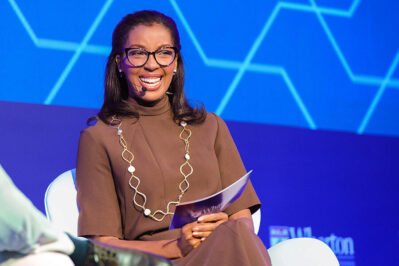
185, 170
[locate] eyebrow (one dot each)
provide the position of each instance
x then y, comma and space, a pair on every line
141, 46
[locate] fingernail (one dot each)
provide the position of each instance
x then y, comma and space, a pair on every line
202, 239
200, 219
195, 233
195, 229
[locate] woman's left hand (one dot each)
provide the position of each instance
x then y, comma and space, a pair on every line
206, 224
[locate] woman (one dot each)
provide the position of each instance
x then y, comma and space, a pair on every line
150, 150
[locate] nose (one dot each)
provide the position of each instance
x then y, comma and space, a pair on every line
151, 63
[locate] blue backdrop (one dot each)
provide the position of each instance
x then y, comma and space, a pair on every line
309, 63
310, 90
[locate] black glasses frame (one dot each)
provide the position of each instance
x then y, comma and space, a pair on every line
126, 50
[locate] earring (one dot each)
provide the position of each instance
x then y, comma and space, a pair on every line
120, 73
174, 71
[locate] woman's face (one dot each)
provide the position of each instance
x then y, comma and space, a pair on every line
154, 78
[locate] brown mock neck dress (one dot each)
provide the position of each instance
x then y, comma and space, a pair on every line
106, 199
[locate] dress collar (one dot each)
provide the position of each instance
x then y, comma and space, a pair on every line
160, 107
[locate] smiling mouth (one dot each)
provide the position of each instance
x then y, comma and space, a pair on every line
151, 82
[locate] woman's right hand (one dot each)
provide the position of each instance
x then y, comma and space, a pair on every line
187, 241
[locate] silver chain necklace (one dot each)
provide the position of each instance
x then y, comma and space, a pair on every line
185, 169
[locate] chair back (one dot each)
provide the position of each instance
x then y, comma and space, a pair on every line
302, 252
60, 202
256, 221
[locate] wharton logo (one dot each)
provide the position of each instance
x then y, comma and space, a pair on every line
343, 247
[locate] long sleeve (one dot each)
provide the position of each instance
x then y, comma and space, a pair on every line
23, 228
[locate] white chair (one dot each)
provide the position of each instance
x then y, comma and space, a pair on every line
302, 252
62, 211
60, 203
256, 220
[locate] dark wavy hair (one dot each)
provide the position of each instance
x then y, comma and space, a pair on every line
116, 87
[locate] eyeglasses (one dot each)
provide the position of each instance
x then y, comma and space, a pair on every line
138, 57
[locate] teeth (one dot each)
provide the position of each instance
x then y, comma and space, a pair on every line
150, 80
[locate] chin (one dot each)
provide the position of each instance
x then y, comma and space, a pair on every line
150, 96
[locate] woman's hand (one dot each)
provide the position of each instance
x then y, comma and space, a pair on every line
206, 224
193, 234
187, 241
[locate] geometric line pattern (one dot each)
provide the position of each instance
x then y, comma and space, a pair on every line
78, 52
379, 94
241, 67
383, 84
